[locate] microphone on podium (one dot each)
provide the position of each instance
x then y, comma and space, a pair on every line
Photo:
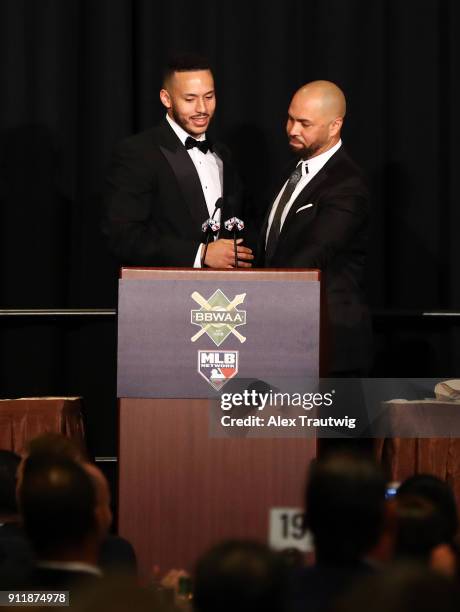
211, 227
234, 225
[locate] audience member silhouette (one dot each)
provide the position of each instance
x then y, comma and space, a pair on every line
402, 588
428, 523
345, 507
437, 492
239, 575
61, 519
116, 553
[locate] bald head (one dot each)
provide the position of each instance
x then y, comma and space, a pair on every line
325, 97
58, 503
315, 118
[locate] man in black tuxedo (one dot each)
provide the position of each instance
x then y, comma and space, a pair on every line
164, 183
319, 219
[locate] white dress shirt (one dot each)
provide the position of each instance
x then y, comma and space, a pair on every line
71, 566
314, 166
210, 172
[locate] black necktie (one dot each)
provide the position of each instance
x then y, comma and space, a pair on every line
203, 145
276, 222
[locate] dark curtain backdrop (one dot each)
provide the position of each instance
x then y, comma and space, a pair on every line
76, 76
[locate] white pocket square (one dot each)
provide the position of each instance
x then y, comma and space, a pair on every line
303, 208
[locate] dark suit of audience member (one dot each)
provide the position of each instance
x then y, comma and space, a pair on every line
116, 555
61, 578
239, 575
403, 588
17, 557
15, 553
345, 501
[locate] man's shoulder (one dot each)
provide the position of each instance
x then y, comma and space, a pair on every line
316, 587
12, 530
145, 138
341, 162
151, 138
59, 578
343, 172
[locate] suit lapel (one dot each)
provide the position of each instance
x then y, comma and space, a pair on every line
316, 182
222, 154
305, 194
185, 172
283, 178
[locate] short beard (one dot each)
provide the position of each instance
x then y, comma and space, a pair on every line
178, 120
183, 125
310, 151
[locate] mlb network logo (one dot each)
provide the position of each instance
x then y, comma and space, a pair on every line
218, 367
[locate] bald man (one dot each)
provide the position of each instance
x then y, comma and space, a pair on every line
319, 219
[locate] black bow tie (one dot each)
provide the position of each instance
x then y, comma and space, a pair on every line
203, 145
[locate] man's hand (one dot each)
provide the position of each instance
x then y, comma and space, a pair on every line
221, 254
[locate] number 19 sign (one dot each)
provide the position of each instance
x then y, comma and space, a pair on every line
286, 530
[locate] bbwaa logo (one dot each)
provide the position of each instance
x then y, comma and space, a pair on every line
218, 367
218, 317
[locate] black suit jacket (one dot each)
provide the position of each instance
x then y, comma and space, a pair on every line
317, 588
154, 204
17, 558
60, 579
327, 228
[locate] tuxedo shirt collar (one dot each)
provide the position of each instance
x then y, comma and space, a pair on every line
316, 163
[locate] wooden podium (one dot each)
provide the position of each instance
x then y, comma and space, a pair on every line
181, 489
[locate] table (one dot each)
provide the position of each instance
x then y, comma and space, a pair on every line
435, 450
25, 418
